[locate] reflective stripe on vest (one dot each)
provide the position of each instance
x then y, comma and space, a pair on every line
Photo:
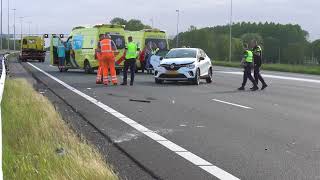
249, 57
132, 51
105, 45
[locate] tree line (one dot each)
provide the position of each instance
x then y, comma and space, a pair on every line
281, 43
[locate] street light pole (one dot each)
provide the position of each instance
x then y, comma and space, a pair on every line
14, 29
29, 27
1, 27
21, 23
230, 38
178, 19
8, 24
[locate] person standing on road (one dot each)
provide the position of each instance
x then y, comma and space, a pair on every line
247, 63
107, 59
257, 58
130, 61
61, 55
99, 58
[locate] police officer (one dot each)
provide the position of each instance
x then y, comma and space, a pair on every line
257, 57
130, 61
247, 63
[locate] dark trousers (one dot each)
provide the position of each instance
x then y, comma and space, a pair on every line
247, 75
257, 75
129, 63
143, 65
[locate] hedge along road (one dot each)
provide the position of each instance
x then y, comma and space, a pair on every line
203, 132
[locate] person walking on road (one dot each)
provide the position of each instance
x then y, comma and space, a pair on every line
106, 58
257, 59
130, 61
247, 63
61, 56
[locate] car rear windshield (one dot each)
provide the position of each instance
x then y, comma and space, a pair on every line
159, 43
119, 41
182, 53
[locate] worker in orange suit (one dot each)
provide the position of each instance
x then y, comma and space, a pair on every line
98, 57
106, 57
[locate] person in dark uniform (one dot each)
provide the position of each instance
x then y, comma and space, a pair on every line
247, 63
257, 59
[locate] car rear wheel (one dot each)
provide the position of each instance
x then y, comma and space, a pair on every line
87, 67
196, 80
209, 79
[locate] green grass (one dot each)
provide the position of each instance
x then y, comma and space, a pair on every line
32, 133
304, 69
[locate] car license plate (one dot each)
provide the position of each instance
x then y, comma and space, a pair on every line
172, 72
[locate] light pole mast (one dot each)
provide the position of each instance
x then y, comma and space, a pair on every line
230, 38
8, 25
1, 27
178, 19
14, 29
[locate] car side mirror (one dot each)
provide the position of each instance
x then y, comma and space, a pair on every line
161, 58
201, 58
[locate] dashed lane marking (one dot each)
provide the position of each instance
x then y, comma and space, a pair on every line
189, 156
232, 104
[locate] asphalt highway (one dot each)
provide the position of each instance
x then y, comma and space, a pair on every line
270, 134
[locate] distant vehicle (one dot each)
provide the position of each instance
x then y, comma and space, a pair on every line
184, 64
84, 42
32, 48
151, 37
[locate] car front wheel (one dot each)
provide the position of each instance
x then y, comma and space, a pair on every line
196, 80
209, 79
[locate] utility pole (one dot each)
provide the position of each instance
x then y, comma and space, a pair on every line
152, 23
29, 27
1, 26
8, 24
14, 29
230, 25
178, 19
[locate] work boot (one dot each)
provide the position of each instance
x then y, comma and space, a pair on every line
123, 84
241, 88
254, 88
115, 84
264, 86
131, 83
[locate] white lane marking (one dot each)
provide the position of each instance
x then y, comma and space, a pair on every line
194, 159
276, 77
2, 83
232, 104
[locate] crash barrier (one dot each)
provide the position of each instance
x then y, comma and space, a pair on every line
2, 81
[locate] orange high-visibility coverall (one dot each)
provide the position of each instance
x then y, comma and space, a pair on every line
106, 61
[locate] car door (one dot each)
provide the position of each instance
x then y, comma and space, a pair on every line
203, 64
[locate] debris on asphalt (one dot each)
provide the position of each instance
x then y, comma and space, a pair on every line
138, 100
183, 125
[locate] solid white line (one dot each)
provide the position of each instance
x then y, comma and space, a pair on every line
2, 82
233, 104
276, 77
194, 159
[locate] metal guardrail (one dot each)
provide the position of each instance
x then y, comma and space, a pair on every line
2, 82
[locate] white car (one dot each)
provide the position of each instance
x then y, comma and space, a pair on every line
184, 64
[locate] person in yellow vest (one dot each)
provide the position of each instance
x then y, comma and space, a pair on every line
247, 63
130, 61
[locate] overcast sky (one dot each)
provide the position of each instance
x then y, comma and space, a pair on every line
59, 16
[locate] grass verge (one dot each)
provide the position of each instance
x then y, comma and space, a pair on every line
37, 144
304, 69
